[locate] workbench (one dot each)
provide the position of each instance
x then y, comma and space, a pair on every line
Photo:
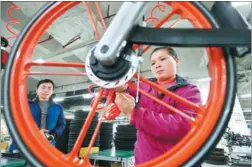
12, 162
126, 158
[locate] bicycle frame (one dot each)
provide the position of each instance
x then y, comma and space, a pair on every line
127, 30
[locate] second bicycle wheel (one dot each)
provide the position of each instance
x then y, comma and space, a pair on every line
207, 127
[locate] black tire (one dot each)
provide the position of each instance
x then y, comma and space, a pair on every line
218, 150
195, 159
104, 139
107, 125
106, 131
126, 137
76, 134
126, 128
80, 115
80, 122
217, 153
216, 162
4, 42
220, 127
87, 138
216, 158
106, 145
76, 125
104, 163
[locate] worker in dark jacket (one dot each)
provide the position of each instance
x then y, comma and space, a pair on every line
48, 115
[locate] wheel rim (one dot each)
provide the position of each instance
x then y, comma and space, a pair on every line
50, 156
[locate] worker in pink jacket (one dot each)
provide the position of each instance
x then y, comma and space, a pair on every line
158, 128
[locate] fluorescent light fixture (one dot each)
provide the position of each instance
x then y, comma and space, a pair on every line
87, 109
246, 109
235, 4
40, 60
69, 116
58, 99
245, 96
89, 96
203, 79
1, 106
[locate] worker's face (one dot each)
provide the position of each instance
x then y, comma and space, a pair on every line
44, 91
163, 65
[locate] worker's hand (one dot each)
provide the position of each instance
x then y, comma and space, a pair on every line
122, 88
126, 103
42, 131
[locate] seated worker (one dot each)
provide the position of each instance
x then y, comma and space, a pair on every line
48, 115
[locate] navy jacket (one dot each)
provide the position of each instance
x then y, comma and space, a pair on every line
55, 119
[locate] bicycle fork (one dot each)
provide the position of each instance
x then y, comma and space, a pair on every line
113, 40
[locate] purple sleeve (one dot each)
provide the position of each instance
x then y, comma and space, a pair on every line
168, 126
131, 91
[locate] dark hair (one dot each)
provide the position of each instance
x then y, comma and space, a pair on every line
170, 51
45, 81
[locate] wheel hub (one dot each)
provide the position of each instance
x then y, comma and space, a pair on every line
114, 75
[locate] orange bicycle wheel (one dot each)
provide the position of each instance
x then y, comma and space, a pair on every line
207, 127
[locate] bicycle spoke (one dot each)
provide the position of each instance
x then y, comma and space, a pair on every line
100, 15
191, 119
95, 28
57, 73
174, 23
170, 94
166, 18
54, 64
159, 24
109, 99
75, 150
93, 138
30, 64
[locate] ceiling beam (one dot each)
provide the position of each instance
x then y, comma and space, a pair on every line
47, 47
44, 51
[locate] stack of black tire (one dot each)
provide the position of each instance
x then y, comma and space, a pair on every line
125, 137
62, 141
106, 136
75, 127
216, 157
106, 139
